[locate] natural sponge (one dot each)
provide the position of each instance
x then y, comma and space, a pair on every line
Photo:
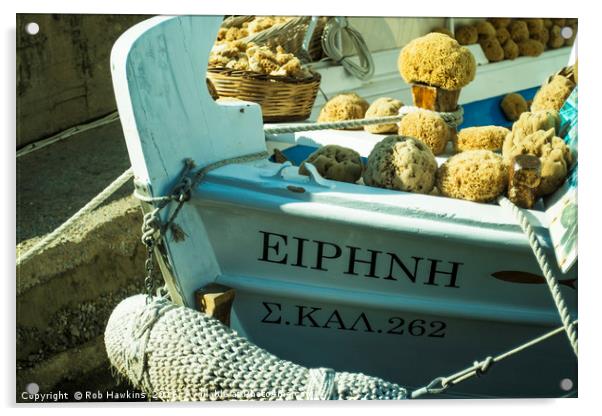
475, 175
335, 162
482, 137
534, 24
492, 49
401, 163
383, 107
348, 106
530, 122
467, 35
530, 47
551, 96
542, 35
438, 60
553, 153
502, 35
485, 29
518, 31
556, 40
428, 127
499, 22
513, 105
510, 49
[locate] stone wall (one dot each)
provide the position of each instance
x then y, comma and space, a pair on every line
63, 73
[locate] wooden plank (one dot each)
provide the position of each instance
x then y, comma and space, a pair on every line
216, 301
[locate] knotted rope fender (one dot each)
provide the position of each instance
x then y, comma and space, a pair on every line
175, 353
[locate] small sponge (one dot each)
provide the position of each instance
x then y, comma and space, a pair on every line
383, 107
401, 163
513, 105
485, 29
437, 60
467, 35
499, 22
551, 96
556, 39
530, 47
553, 153
474, 175
502, 35
482, 137
518, 31
428, 127
492, 49
542, 35
534, 24
348, 106
335, 162
510, 49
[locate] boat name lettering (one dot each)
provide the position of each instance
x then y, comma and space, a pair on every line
325, 256
355, 321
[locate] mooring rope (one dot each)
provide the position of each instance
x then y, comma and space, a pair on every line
90, 206
453, 119
479, 368
542, 260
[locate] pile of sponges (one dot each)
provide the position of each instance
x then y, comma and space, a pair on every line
505, 38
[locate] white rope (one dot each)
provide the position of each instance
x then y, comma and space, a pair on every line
551, 280
90, 206
453, 119
331, 45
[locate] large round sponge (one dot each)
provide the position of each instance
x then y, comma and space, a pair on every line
475, 175
482, 137
401, 163
428, 127
530, 122
347, 106
383, 107
335, 162
437, 60
553, 153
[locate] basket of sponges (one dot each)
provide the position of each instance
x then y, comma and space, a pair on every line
265, 73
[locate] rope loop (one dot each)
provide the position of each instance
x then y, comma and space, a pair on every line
483, 366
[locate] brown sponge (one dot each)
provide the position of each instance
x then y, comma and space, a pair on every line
559, 22
502, 35
530, 47
534, 24
513, 105
553, 153
485, 29
518, 31
474, 175
467, 35
428, 127
437, 60
401, 163
499, 22
383, 107
335, 162
556, 39
492, 49
347, 106
542, 35
547, 23
510, 49
551, 96
482, 137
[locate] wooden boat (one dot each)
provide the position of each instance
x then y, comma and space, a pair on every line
402, 286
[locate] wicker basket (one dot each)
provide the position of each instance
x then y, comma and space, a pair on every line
281, 98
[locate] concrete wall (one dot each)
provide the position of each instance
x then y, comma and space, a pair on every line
63, 76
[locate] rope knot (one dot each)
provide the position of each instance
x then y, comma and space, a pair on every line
483, 366
320, 384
